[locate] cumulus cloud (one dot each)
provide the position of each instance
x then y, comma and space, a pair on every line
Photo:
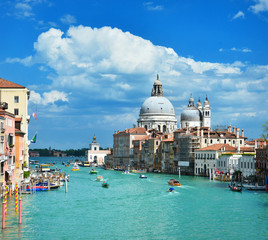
68, 19
109, 65
48, 97
240, 14
260, 6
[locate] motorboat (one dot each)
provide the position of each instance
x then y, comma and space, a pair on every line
85, 164
125, 172
142, 176
171, 189
93, 171
255, 187
173, 182
99, 178
105, 185
75, 167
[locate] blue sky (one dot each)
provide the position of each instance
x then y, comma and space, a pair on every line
91, 64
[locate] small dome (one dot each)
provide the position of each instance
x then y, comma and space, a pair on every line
191, 114
155, 105
206, 103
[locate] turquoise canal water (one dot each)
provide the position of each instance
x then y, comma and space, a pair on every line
134, 208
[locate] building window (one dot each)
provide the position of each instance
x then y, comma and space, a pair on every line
16, 99
95, 148
240, 141
156, 143
211, 141
205, 140
241, 165
233, 141
16, 111
224, 141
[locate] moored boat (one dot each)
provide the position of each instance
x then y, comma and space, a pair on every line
173, 182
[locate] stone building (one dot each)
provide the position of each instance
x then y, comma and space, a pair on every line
123, 146
95, 155
188, 140
17, 97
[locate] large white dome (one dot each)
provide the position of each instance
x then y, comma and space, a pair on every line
157, 112
157, 105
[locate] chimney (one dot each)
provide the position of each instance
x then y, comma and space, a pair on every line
234, 130
198, 131
208, 132
242, 132
237, 132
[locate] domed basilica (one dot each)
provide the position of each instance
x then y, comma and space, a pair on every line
157, 112
196, 116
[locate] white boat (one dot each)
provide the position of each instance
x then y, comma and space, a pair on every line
75, 167
126, 172
99, 178
255, 187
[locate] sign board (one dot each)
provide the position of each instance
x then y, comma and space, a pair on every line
183, 164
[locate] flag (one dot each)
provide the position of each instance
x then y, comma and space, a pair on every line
35, 115
34, 138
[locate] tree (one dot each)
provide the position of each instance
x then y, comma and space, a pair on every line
265, 130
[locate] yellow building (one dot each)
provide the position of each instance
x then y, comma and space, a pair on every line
17, 96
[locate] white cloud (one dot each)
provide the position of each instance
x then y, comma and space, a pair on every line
68, 19
234, 49
48, 97
152, 7
109, 65
260, 6
23, 9
240, 14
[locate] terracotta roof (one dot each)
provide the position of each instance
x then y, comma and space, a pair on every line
168, 139
139, 138
133, 130
247, 149
218, 147
7, 84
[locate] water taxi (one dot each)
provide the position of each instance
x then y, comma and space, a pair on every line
173, 182
85, 164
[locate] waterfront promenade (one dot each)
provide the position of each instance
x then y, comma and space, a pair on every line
134, 208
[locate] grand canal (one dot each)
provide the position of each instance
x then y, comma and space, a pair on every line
134, 208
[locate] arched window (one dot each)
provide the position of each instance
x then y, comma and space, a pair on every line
159, 128
164, 128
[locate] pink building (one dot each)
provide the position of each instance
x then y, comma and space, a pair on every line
9, 147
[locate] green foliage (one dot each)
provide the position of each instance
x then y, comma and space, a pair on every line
70, 152
228, 154
248, 154
265, 130
26, 174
